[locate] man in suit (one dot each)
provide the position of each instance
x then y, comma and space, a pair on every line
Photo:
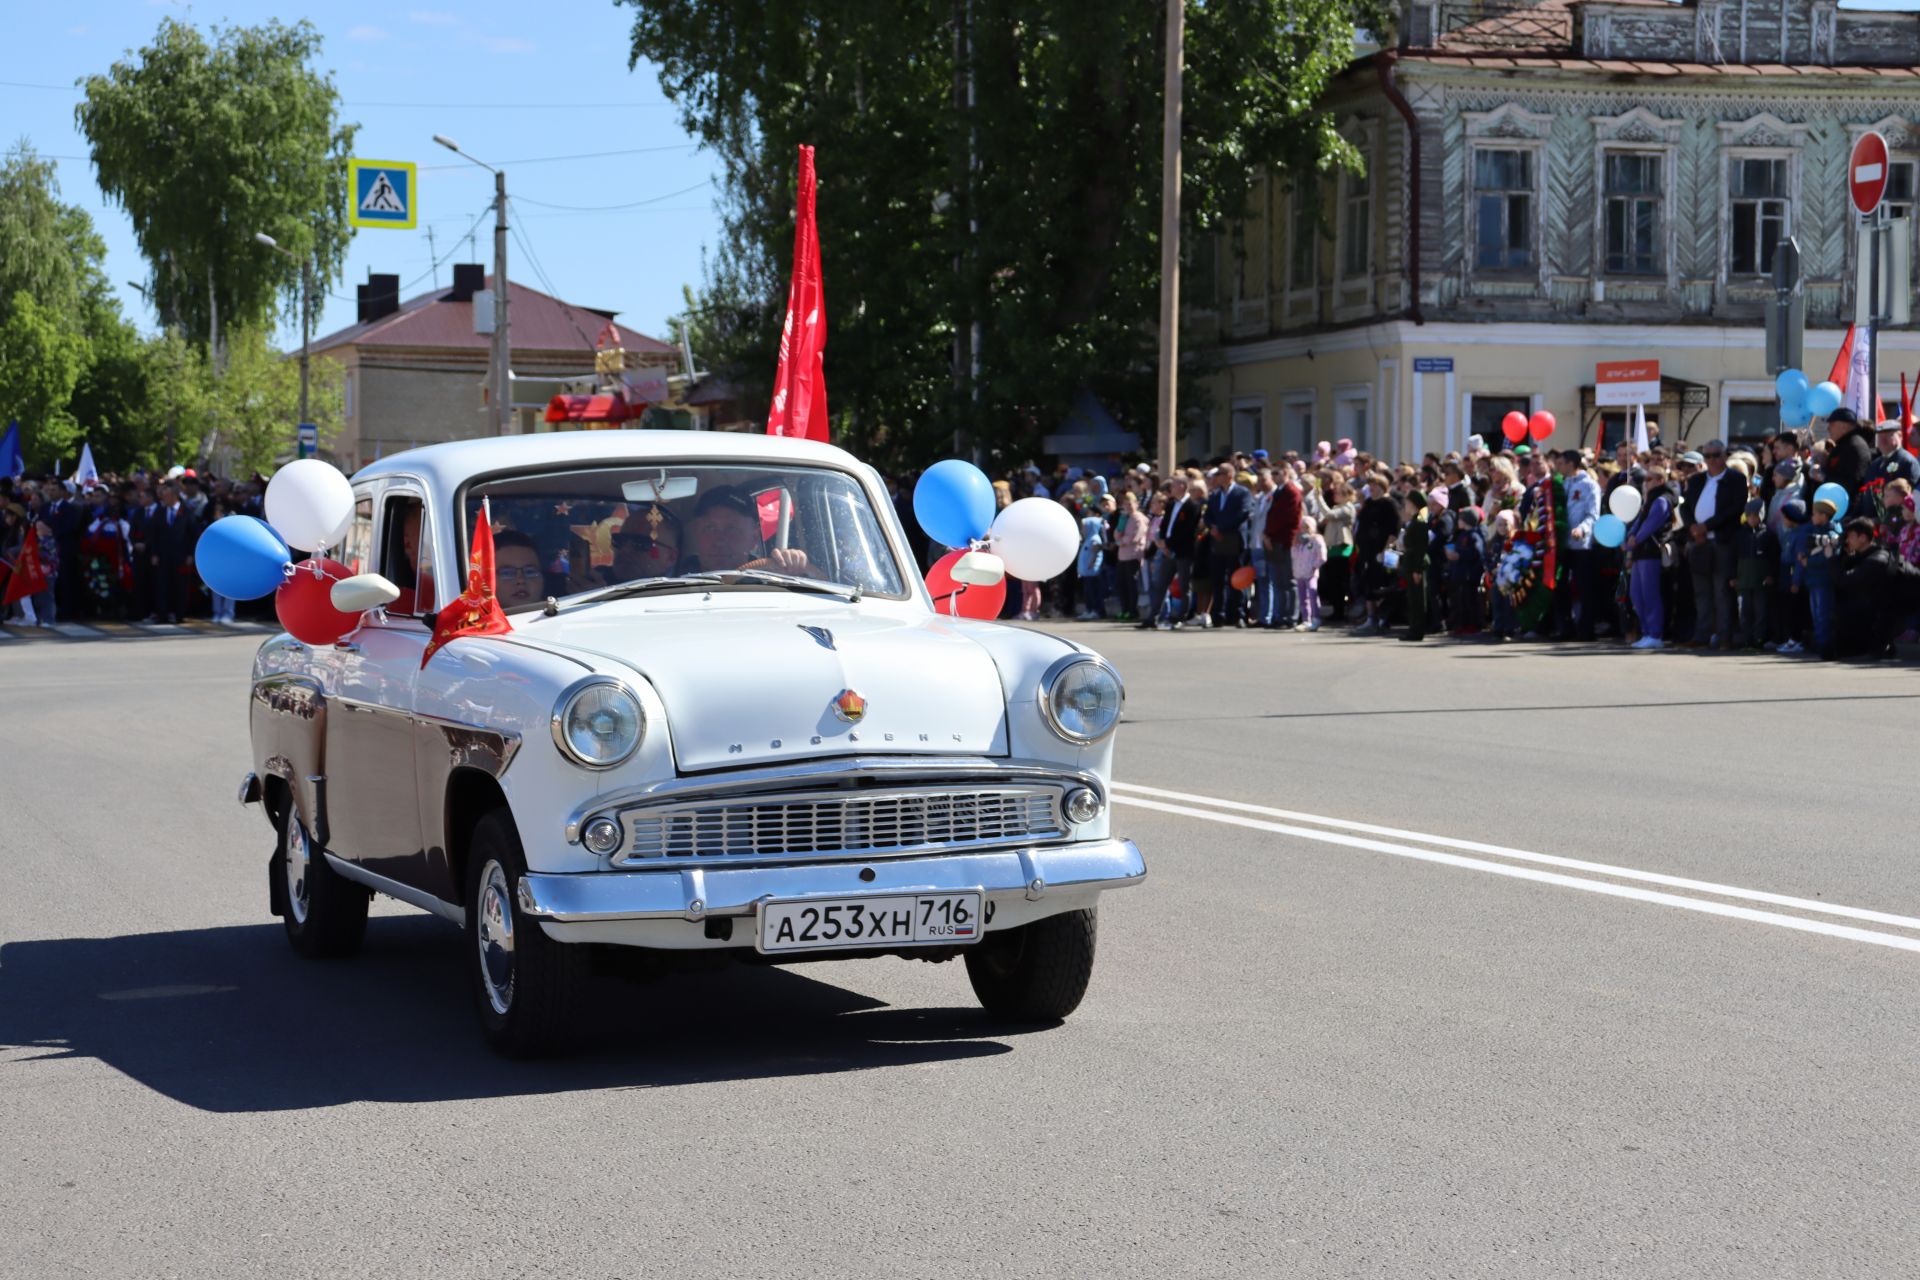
142, 508
1711, 511
170, 544
68, 520
1179, 536
1226, 519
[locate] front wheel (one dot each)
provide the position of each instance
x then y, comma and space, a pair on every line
1038, 972
526, 985
324, 912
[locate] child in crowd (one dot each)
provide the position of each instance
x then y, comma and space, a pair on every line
1794, 538
1506, 619
1909, 535
1309, 553
1820, 561
1756, 559
1093, 546
1466, 566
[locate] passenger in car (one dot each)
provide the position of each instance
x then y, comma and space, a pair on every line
647, 545
725, 534
517, 576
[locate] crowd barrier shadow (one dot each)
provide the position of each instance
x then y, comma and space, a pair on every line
230, 1020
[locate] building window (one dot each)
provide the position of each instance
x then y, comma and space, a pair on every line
1633, 214
1503, 210
1899, 197
1356, 228
1201, 285
1350, 417
1616, 425
1760, 213
1304, 250
1484, 420
1752, 421
1249, 427
1296, 423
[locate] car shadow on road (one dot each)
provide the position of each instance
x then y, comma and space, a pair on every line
230, 1020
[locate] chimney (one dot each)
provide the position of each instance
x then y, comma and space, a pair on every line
379, 297
468, 279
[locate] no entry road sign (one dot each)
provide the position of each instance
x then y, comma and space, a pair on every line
1867, 172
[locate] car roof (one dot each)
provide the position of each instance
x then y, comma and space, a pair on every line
446, 466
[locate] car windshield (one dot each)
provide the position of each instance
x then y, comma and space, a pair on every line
561, 533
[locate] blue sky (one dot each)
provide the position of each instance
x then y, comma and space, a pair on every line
406, 71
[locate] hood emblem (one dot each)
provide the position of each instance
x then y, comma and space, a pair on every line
824, 636
850, 706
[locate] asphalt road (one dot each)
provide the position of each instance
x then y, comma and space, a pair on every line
1650, 1013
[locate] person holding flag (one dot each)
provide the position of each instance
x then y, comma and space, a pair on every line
29, 575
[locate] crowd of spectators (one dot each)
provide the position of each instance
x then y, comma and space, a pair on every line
1728, 549
120, 549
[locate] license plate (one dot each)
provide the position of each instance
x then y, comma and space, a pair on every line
881, 920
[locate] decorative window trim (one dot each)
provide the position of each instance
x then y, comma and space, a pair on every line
1509, 120
1637, 127
1901, 133
1363, 134
1761, 132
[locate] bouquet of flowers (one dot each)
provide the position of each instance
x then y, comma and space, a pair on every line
1518, 572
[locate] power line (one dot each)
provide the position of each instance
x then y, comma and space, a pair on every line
539, 270
586, 155
609, 208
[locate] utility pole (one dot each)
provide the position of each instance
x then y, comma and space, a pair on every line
1170, 236
499, 373
306, 311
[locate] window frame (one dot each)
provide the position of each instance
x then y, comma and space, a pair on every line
1295, 206
1661, 198
408, 489
1349, 200
1731, 157
1534, 153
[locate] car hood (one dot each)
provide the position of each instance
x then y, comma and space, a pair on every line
749, 686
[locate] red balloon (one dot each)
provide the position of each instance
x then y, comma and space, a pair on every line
1515, 427
304, 603
957, 599
1540, 426
1243, 577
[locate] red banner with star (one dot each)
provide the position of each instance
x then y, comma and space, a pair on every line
29, 576
475, 611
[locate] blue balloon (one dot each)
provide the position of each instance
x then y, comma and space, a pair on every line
1796, 415
241, 557
1609, 530
1836, 494
1824, 399
1792, 386
954, 502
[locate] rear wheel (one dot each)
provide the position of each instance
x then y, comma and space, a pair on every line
1038, 972
526, 986
324, 912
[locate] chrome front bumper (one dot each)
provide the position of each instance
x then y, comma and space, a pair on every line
1083, 868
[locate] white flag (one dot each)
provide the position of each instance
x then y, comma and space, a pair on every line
87, 475
1859, 383
1640, 444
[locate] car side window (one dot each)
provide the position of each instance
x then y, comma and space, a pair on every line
357, 551
406, 555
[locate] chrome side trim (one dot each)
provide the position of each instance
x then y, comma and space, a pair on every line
885, 770
250, 789
394, 889
737, 891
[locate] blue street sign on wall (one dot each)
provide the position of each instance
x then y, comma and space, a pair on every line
1433, 364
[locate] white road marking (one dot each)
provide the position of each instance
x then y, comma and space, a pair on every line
1703, 906
1545, 859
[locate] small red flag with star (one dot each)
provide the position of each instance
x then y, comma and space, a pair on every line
475, 611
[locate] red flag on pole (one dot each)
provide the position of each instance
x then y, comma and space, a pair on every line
800, 385
1842, 363
475, 611
29, 575
1906, 411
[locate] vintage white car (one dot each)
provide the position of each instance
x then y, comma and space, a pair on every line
728, 717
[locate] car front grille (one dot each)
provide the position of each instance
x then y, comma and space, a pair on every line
834, 823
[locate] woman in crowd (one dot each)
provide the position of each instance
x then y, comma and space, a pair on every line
1374, 527
1330, 503
1646, 542
1130, 547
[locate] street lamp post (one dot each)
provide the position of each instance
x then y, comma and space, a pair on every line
306, 312
501, 354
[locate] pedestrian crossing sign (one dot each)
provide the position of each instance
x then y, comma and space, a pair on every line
383, 193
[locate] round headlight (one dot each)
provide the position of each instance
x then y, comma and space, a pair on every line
598, 723
1080, 697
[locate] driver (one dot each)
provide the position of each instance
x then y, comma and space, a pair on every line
725, 534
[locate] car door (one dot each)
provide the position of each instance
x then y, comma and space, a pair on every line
374, 801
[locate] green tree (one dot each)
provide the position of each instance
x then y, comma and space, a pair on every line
204, 145
257, 402
41, 358
1033, 213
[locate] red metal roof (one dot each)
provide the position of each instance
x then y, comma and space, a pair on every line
539, 322
1524, 61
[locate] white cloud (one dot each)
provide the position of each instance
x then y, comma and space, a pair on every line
366, 34
432, 18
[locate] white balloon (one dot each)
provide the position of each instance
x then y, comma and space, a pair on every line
1625, 502
1037, 539
310, 504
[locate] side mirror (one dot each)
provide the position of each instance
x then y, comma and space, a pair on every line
979, 569
363, 591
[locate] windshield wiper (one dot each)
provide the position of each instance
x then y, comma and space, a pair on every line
638, 586
792, 582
